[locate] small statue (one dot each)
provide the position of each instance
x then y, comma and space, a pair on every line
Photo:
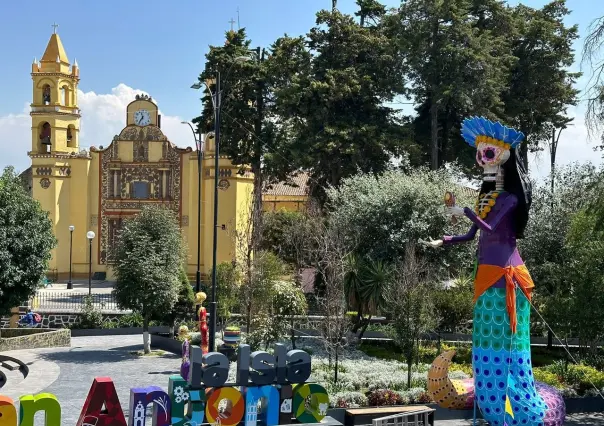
203, 323
185, 365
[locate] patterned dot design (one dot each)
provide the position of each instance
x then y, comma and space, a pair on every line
496, 353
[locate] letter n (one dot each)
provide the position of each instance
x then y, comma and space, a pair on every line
102, 406
141, 397
29, 405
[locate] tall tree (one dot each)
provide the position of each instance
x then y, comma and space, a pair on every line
454, 65
339, 121
542, 44
149, 256
249, 128
26, 241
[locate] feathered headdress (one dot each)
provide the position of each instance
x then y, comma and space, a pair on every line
479, 129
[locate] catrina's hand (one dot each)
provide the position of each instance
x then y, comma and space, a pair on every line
455, 211
432, 243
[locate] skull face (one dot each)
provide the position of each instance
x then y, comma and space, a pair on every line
490, 158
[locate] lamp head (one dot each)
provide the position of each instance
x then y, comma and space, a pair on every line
90, 235
71, 228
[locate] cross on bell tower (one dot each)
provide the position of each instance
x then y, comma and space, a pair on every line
232, 22
54, 27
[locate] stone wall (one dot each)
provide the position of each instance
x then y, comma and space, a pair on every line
32, 338
62, 318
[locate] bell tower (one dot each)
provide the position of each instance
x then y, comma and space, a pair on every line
55, 116
60, 171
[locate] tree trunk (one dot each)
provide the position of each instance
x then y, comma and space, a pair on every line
248, 318
146, 343
335, 376
434, 134
409, 364
364, 328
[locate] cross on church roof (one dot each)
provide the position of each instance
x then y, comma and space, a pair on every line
232, 22
54, 28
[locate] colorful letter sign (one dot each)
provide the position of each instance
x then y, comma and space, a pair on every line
270, 390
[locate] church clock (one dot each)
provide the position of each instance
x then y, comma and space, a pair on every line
142, 117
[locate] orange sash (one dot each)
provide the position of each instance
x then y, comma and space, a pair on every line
488, 275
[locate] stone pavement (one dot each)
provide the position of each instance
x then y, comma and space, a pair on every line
81, 286
68, 373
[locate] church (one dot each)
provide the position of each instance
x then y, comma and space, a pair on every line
97, 189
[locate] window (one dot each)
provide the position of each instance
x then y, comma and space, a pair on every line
140, 190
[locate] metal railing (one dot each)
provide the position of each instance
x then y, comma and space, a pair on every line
71, 301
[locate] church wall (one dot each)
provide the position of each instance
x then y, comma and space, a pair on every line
82, 193
189, 218
45, 196
283, 202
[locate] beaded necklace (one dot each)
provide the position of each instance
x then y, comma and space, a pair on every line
485, 203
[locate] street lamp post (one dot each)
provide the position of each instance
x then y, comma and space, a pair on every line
216, 98
198, 143
71, 229
90, 235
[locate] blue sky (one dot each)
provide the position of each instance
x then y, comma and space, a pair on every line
155, 46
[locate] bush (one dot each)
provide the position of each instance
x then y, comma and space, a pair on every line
382, 397
90, 315
348, 400
547, 377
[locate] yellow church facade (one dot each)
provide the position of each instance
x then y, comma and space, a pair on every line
97, 189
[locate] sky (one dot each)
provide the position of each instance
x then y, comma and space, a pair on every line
158, 47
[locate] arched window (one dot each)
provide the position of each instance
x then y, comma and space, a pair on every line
45, 133
64, 95
46, 94
71, 140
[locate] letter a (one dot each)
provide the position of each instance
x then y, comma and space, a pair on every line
102, 393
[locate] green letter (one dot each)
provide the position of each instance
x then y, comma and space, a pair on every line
29, 405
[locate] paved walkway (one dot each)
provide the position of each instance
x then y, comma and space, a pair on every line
68, 374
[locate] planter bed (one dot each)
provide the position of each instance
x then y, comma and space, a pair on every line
166, 343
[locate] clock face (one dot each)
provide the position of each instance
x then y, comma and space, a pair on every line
142, 117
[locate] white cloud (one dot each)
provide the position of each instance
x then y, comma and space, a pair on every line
103, 117
574, 146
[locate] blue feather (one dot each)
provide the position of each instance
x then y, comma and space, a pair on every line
473, 127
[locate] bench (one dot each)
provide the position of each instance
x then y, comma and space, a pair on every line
410, 415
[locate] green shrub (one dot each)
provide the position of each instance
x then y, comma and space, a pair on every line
382, 397
547, 377
90, 315
134, 319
